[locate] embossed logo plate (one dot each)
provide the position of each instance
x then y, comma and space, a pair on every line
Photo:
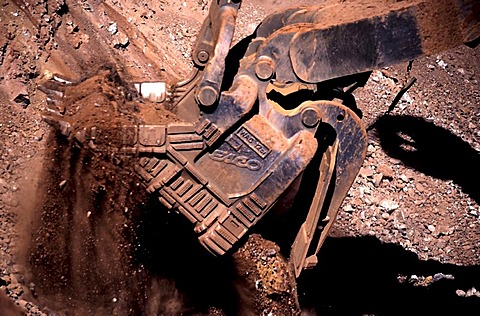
253, 142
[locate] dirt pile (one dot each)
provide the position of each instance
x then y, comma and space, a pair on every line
265, 285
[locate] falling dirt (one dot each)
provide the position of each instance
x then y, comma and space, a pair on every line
81, 239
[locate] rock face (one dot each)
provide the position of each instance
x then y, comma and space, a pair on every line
77, 236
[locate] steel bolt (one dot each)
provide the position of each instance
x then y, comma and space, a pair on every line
310, 117
264, 68
207, 96
203, 56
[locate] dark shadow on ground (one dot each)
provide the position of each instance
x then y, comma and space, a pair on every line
354, 276
169, 250
430, 149
358, 276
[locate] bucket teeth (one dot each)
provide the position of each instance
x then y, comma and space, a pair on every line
61, 125
52, 92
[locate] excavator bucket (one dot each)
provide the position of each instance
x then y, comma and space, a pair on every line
225, 149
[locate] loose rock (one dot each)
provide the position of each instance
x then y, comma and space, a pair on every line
388, 205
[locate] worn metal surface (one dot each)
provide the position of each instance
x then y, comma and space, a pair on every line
224, 157
301, 244
322, 44
212, 49
340, 164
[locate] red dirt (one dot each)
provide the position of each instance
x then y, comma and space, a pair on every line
79, 236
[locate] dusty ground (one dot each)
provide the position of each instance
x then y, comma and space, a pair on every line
406, 240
